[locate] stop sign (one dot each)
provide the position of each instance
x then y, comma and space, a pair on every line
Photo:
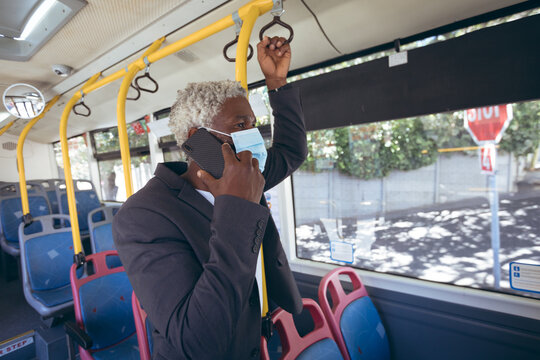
487, 124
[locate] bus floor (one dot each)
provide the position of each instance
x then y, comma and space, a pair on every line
16, 316
18, 319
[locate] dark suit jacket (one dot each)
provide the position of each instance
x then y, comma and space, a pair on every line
192, 265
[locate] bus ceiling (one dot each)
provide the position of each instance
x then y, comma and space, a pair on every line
104, 37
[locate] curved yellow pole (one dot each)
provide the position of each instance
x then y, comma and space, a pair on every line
20, 158
121, 116
257, 7
70, 191
5, 128
241, 75
243, 44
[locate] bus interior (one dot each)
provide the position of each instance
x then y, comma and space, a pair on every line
394, 190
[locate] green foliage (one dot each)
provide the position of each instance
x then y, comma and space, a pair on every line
523, 134
107, 140
448, 131
372, 150
409, 146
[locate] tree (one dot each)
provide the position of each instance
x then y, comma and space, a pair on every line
523, 134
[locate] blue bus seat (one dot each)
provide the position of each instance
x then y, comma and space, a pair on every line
86, 199
11, 213
51, 188
46, 257
353, 318
103, 309
100, 226
318, 344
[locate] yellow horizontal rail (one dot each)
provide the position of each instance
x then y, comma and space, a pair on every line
20, 157
248, 13
464, 148
6, 128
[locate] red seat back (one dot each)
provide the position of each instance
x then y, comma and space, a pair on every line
292, 343
340, 300
102, 302
140, 325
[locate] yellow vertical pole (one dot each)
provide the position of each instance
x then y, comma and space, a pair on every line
121, 116
241, 75
70, 191
243, 43
5, 128
20, 158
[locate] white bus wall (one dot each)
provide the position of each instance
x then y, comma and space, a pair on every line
39, 162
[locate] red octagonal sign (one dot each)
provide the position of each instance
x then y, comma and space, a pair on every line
487, 124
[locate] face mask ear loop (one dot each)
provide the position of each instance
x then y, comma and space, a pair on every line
216, 131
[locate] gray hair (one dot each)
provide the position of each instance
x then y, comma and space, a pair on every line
199, 103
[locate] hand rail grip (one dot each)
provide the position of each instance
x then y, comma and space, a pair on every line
81, 103
277, 21
228, 45
138, 93
146, 75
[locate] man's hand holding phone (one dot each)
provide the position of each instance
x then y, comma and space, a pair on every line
241, 176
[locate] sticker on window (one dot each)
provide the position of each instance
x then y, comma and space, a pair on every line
342, 251
525, 277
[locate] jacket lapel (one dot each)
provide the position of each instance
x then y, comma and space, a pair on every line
170, 173
192, 198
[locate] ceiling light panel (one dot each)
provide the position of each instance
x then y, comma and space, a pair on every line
41, 22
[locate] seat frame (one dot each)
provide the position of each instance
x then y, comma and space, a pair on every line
47, 223
100, 269
340, 301
140, 325
291, 342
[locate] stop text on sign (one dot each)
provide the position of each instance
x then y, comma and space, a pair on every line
487, 124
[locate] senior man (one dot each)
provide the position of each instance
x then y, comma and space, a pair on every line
190, 243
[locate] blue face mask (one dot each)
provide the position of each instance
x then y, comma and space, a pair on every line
250, 140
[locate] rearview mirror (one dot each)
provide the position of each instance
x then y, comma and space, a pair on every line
23, 101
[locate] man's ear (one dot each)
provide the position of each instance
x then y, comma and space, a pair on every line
192, 131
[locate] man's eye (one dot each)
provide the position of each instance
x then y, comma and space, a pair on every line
240, 125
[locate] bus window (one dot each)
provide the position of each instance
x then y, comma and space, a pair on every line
167, 144
408, 195
78, 154
107, 153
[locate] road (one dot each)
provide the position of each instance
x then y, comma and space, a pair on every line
451, 243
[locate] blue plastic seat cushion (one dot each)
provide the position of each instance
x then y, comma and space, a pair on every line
103, 239
363, 331
86, 202
13, 244
106, 309
126, 350
48, 260
54, 297
325, 349
11, 215
149, 329
51, 195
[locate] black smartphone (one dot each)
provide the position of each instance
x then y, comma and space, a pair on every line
205, 149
